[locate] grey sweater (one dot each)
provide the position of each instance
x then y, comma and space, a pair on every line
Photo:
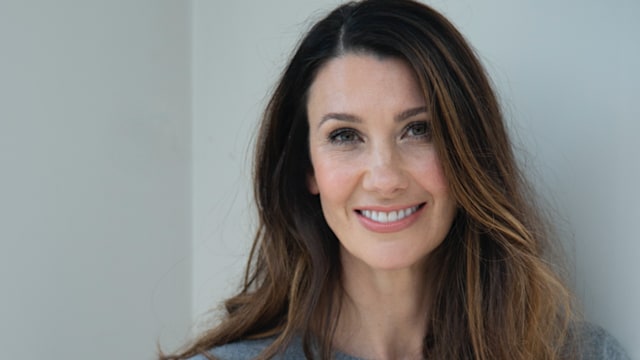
596, 344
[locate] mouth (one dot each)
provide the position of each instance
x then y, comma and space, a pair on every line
385, 217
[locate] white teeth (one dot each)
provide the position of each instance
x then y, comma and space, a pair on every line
386, 217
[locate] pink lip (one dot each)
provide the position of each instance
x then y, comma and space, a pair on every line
387, 208
390, 226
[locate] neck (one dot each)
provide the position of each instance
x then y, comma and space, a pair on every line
384, 313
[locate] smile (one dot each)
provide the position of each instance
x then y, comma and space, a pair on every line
384, 217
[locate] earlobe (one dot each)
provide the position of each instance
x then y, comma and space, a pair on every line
312, 185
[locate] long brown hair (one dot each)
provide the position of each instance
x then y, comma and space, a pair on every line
498, 299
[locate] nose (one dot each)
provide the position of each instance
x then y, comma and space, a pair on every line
384, 172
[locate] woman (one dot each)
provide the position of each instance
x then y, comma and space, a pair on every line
394, 221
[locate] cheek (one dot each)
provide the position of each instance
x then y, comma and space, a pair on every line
334, 176
331, 179
431, 175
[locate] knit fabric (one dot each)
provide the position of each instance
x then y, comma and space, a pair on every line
595, 344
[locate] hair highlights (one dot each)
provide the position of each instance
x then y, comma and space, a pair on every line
498, 299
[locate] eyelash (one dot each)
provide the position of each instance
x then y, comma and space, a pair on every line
334, 136
414, 125
337, 136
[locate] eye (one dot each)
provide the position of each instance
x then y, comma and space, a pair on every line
344, 136
418, 130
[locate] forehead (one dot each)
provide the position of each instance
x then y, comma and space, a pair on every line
354, 81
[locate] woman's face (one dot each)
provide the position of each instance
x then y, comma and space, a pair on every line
375, 168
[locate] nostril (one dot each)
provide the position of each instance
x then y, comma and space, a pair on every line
385, 179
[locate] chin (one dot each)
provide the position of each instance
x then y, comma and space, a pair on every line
387, 260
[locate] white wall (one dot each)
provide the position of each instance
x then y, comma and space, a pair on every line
95, 178
567, 74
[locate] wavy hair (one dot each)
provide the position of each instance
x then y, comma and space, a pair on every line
499, 299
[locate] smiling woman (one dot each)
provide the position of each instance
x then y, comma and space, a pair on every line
394, 221
374, 165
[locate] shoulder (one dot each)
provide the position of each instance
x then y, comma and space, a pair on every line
244, 349
239, 350
249, 349
595, 343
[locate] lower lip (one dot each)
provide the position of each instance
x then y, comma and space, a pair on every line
390, 226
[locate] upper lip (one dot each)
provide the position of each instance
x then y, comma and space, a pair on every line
388, 208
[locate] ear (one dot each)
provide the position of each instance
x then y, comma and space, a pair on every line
312, 184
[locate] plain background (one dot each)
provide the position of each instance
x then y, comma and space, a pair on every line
95, 185
126, 132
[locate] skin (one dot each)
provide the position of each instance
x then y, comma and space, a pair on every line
370, 147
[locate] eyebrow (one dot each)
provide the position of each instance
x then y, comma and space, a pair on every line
355, 119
